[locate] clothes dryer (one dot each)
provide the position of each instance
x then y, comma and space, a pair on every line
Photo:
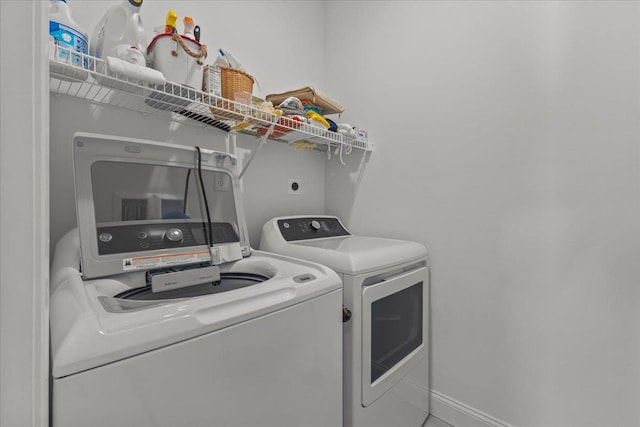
386, 305
161, 313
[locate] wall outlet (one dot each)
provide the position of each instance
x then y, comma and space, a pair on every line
295, 186
222, 182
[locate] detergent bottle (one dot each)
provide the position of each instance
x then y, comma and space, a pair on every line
120, 34
66, 35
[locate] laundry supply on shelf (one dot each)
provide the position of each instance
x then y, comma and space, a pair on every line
173, 76
347, 130
317, 119
134, 72
189, 25
211, 80
67, 42
311, 104
309, 95
333, 127
118, 37
170, 22
179, 57
292, 106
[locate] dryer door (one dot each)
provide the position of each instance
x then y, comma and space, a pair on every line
394, 330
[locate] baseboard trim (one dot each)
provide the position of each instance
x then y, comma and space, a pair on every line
460, 415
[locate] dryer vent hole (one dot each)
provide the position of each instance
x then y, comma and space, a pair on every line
295, 186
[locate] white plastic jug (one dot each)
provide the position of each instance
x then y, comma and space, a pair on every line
181, 63
66, 35
120, 34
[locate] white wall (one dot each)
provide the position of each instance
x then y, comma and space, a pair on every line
24, 226
508, 143
279, 42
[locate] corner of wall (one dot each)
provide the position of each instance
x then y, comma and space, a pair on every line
24, 218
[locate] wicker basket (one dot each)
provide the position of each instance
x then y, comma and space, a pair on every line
234, 80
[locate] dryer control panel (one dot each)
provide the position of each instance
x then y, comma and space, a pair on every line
311, 228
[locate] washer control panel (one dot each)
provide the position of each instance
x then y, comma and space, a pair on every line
116, 239
311, 228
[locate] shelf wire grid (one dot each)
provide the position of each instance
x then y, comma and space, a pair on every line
89, 78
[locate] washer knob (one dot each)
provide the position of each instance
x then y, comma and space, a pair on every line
105, 237
346, 314
174, 234
315, 225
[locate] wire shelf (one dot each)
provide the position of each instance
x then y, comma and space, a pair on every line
89, 78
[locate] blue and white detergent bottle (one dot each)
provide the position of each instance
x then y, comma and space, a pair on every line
67, 39
120, 34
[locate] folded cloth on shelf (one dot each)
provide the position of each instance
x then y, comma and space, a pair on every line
311, 107
312, 115
135, 72
333, 127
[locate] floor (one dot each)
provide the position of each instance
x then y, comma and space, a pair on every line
435, 422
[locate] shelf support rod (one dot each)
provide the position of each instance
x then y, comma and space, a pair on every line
230, 142
261, 142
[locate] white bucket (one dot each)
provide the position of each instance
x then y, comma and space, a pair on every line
170, 58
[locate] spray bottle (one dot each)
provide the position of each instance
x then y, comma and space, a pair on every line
188, 26
170, 22
120, 34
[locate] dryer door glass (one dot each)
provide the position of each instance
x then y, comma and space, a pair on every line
394, 330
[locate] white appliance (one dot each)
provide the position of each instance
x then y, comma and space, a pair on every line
386, 296
231, 337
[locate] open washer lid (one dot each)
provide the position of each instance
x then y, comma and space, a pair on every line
323, 239
141, 206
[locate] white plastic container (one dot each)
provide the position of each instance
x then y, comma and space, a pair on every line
66, 37
120, 34
170, 58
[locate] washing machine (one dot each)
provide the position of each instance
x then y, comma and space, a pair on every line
162, 314
386, 312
